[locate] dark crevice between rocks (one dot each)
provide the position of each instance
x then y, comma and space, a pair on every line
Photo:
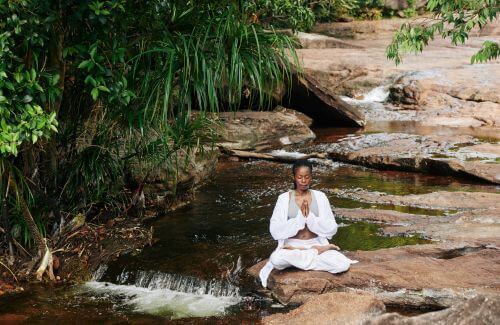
410, 311
324, 107
454, 253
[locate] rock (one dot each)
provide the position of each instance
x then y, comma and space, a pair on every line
359, 29
332, 308
318, 41
160, 180
436, 87
448, 155
482, 309
324, 107
403, 276
435, 200
452, 97
263, 130
475, 228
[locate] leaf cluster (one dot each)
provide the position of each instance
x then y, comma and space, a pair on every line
451, 19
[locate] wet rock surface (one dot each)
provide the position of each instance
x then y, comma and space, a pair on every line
456, 155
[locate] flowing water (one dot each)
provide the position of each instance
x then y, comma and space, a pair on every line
195, 271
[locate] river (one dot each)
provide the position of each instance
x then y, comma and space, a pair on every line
195, 270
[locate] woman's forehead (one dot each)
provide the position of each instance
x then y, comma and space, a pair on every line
303, 170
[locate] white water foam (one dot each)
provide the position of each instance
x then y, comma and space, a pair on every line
169, 295
376, 95
287, 154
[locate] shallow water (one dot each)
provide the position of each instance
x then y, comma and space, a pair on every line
195, 269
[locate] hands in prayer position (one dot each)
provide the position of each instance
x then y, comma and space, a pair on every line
304, 208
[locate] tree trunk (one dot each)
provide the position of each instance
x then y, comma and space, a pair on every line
28, 218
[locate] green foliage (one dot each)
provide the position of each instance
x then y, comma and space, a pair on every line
331, 10
451, 19
489, 51
295, 14
221, 62
25, 87
91, 89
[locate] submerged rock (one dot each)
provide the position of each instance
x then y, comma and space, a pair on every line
332, 308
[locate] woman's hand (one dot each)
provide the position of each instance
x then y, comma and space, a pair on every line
305, 208
325, 248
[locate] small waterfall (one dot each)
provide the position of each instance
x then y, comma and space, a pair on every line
153, 280
170, 295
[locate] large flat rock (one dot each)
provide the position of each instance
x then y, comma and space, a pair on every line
478, 227
443, 200
455, 155
406, 276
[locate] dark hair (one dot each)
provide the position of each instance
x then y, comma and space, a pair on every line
301, 163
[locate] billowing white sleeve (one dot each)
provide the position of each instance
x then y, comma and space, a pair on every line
323, 225
281, 227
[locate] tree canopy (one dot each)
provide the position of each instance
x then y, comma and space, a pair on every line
450, 19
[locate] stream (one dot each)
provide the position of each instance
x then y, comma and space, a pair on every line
196, 267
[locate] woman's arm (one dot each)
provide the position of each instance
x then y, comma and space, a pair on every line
323, 225
281, 227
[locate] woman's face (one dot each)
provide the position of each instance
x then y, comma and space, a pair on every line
303, 178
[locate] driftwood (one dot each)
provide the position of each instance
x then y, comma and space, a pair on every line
274, 157
319, 103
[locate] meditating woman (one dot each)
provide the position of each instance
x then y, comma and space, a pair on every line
302, 222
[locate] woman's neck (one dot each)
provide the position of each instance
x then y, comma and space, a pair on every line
301, 193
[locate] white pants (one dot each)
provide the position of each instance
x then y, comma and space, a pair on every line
305, 259
308, 259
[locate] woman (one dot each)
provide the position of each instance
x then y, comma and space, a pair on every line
302, 222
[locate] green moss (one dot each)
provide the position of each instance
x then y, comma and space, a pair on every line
366, 236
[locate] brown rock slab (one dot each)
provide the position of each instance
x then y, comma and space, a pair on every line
399, 276
252, 130
332, 308
449, 155
483, 309
434, 200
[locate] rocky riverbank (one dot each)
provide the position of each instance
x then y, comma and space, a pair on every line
457, 272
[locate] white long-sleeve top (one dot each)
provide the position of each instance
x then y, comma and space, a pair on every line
323, 225
282, 228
